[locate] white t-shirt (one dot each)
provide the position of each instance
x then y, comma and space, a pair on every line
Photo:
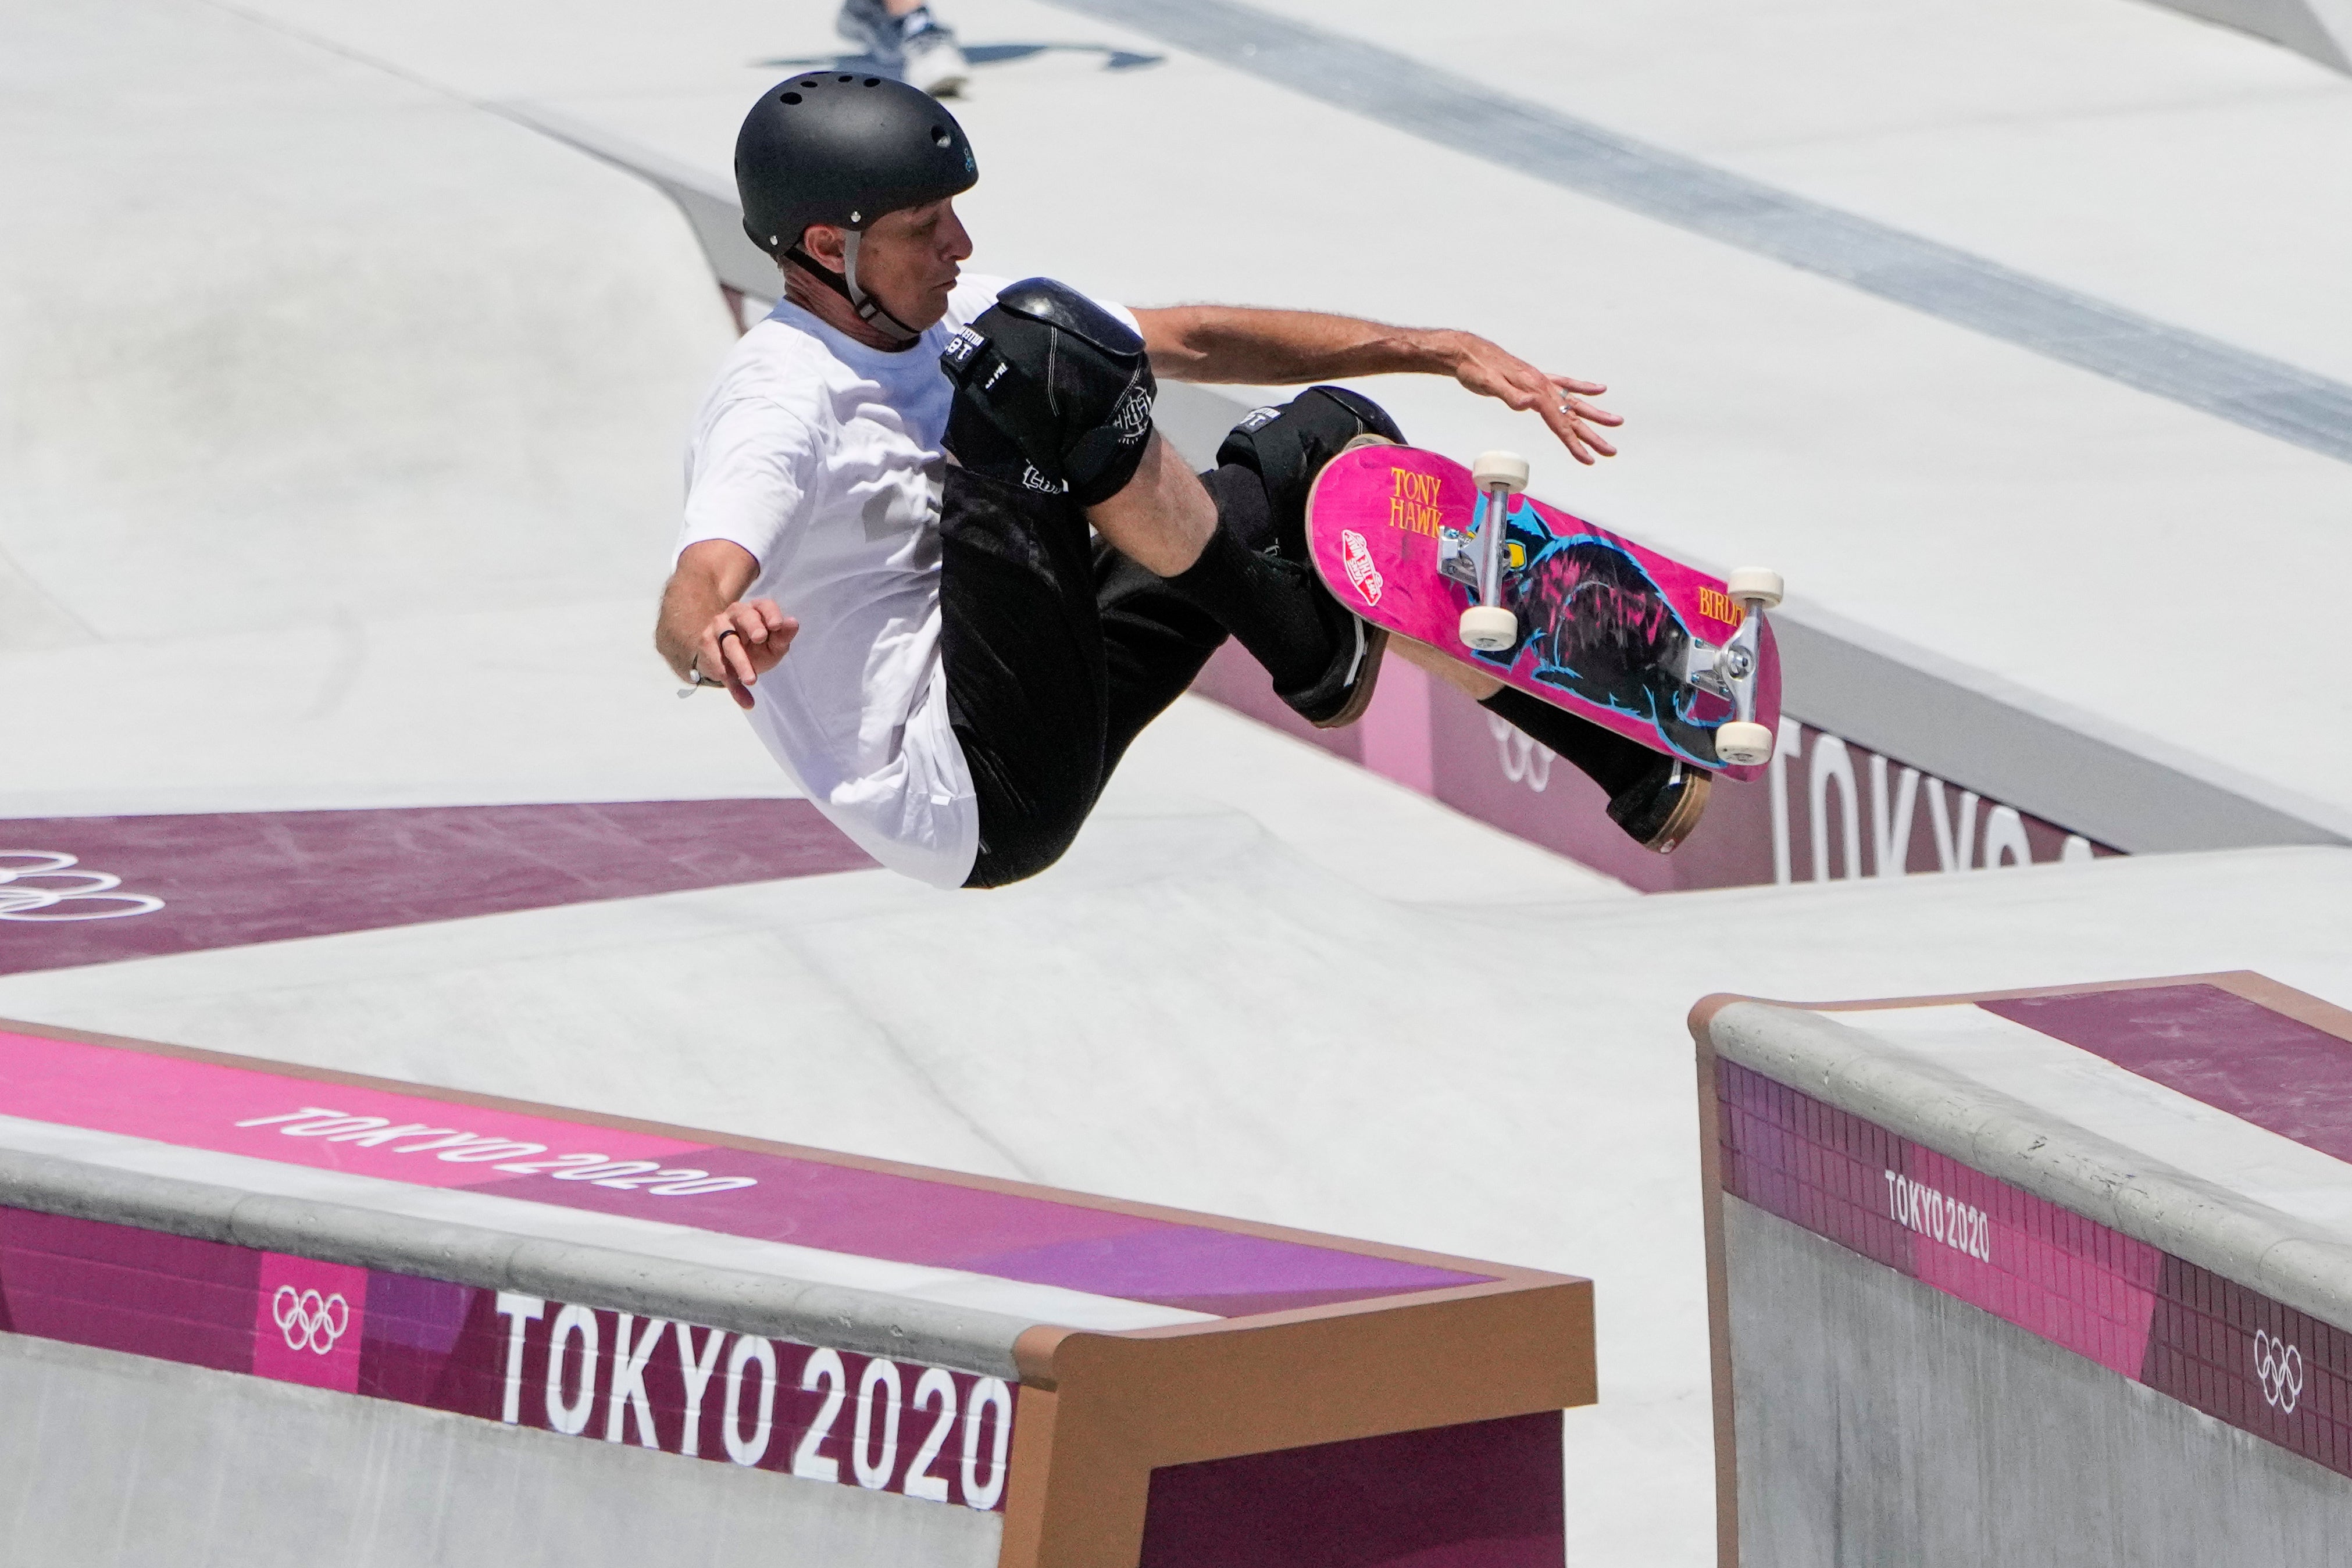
822, 458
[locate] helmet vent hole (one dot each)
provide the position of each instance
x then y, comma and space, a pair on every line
844, 78
873, 81
792, 98
941, 138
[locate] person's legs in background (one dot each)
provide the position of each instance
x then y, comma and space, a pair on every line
904, 35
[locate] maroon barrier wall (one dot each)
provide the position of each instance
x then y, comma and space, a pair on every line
93, 890
1829, 809
807, 1411
1490, 1494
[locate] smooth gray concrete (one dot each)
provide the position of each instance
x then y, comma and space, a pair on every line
2320, 28
110, 1460
1881, 1421
417, 376
2128, 152
1472, 117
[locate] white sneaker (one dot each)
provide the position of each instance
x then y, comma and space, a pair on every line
933, 62
869, 26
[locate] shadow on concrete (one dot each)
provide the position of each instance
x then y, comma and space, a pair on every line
979, 54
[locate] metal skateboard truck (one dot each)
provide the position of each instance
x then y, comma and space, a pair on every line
1481, 557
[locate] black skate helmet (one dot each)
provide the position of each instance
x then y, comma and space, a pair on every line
843, 148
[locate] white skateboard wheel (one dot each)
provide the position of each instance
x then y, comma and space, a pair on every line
1753, 583
1507, 469
1489, 628
1743, 744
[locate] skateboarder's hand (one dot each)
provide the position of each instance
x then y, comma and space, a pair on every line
742, 642
1489, 371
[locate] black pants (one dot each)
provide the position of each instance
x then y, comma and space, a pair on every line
1059, 650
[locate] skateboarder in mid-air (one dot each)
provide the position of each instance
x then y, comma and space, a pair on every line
885, 555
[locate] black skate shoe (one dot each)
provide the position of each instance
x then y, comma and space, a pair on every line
1279, 451
1341, 697
1659, 810
1285, 448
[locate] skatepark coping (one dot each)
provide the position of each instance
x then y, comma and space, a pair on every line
871, 1323
1838, 1059
756, 1239
1982, 1235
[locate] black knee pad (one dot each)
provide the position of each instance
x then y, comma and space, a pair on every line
1285, 448
1062, 380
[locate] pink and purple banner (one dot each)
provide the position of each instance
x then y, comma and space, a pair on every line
838, 1207
768, 1404
2145, 1315
94, 889
1827, 809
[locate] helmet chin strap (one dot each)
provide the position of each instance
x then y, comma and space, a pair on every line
844, 283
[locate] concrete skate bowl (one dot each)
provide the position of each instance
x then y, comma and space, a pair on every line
426, 365
287, 341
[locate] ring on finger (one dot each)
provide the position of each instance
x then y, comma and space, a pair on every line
731, 631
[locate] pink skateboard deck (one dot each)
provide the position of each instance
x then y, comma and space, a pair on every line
1603, 621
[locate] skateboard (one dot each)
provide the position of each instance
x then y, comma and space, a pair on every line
1611, 631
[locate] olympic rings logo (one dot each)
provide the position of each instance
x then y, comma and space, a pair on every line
1524, 761
2279, 1368
308, 1321
37, 886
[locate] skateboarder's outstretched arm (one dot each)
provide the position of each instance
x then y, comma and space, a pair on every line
1290, 348
709, 630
